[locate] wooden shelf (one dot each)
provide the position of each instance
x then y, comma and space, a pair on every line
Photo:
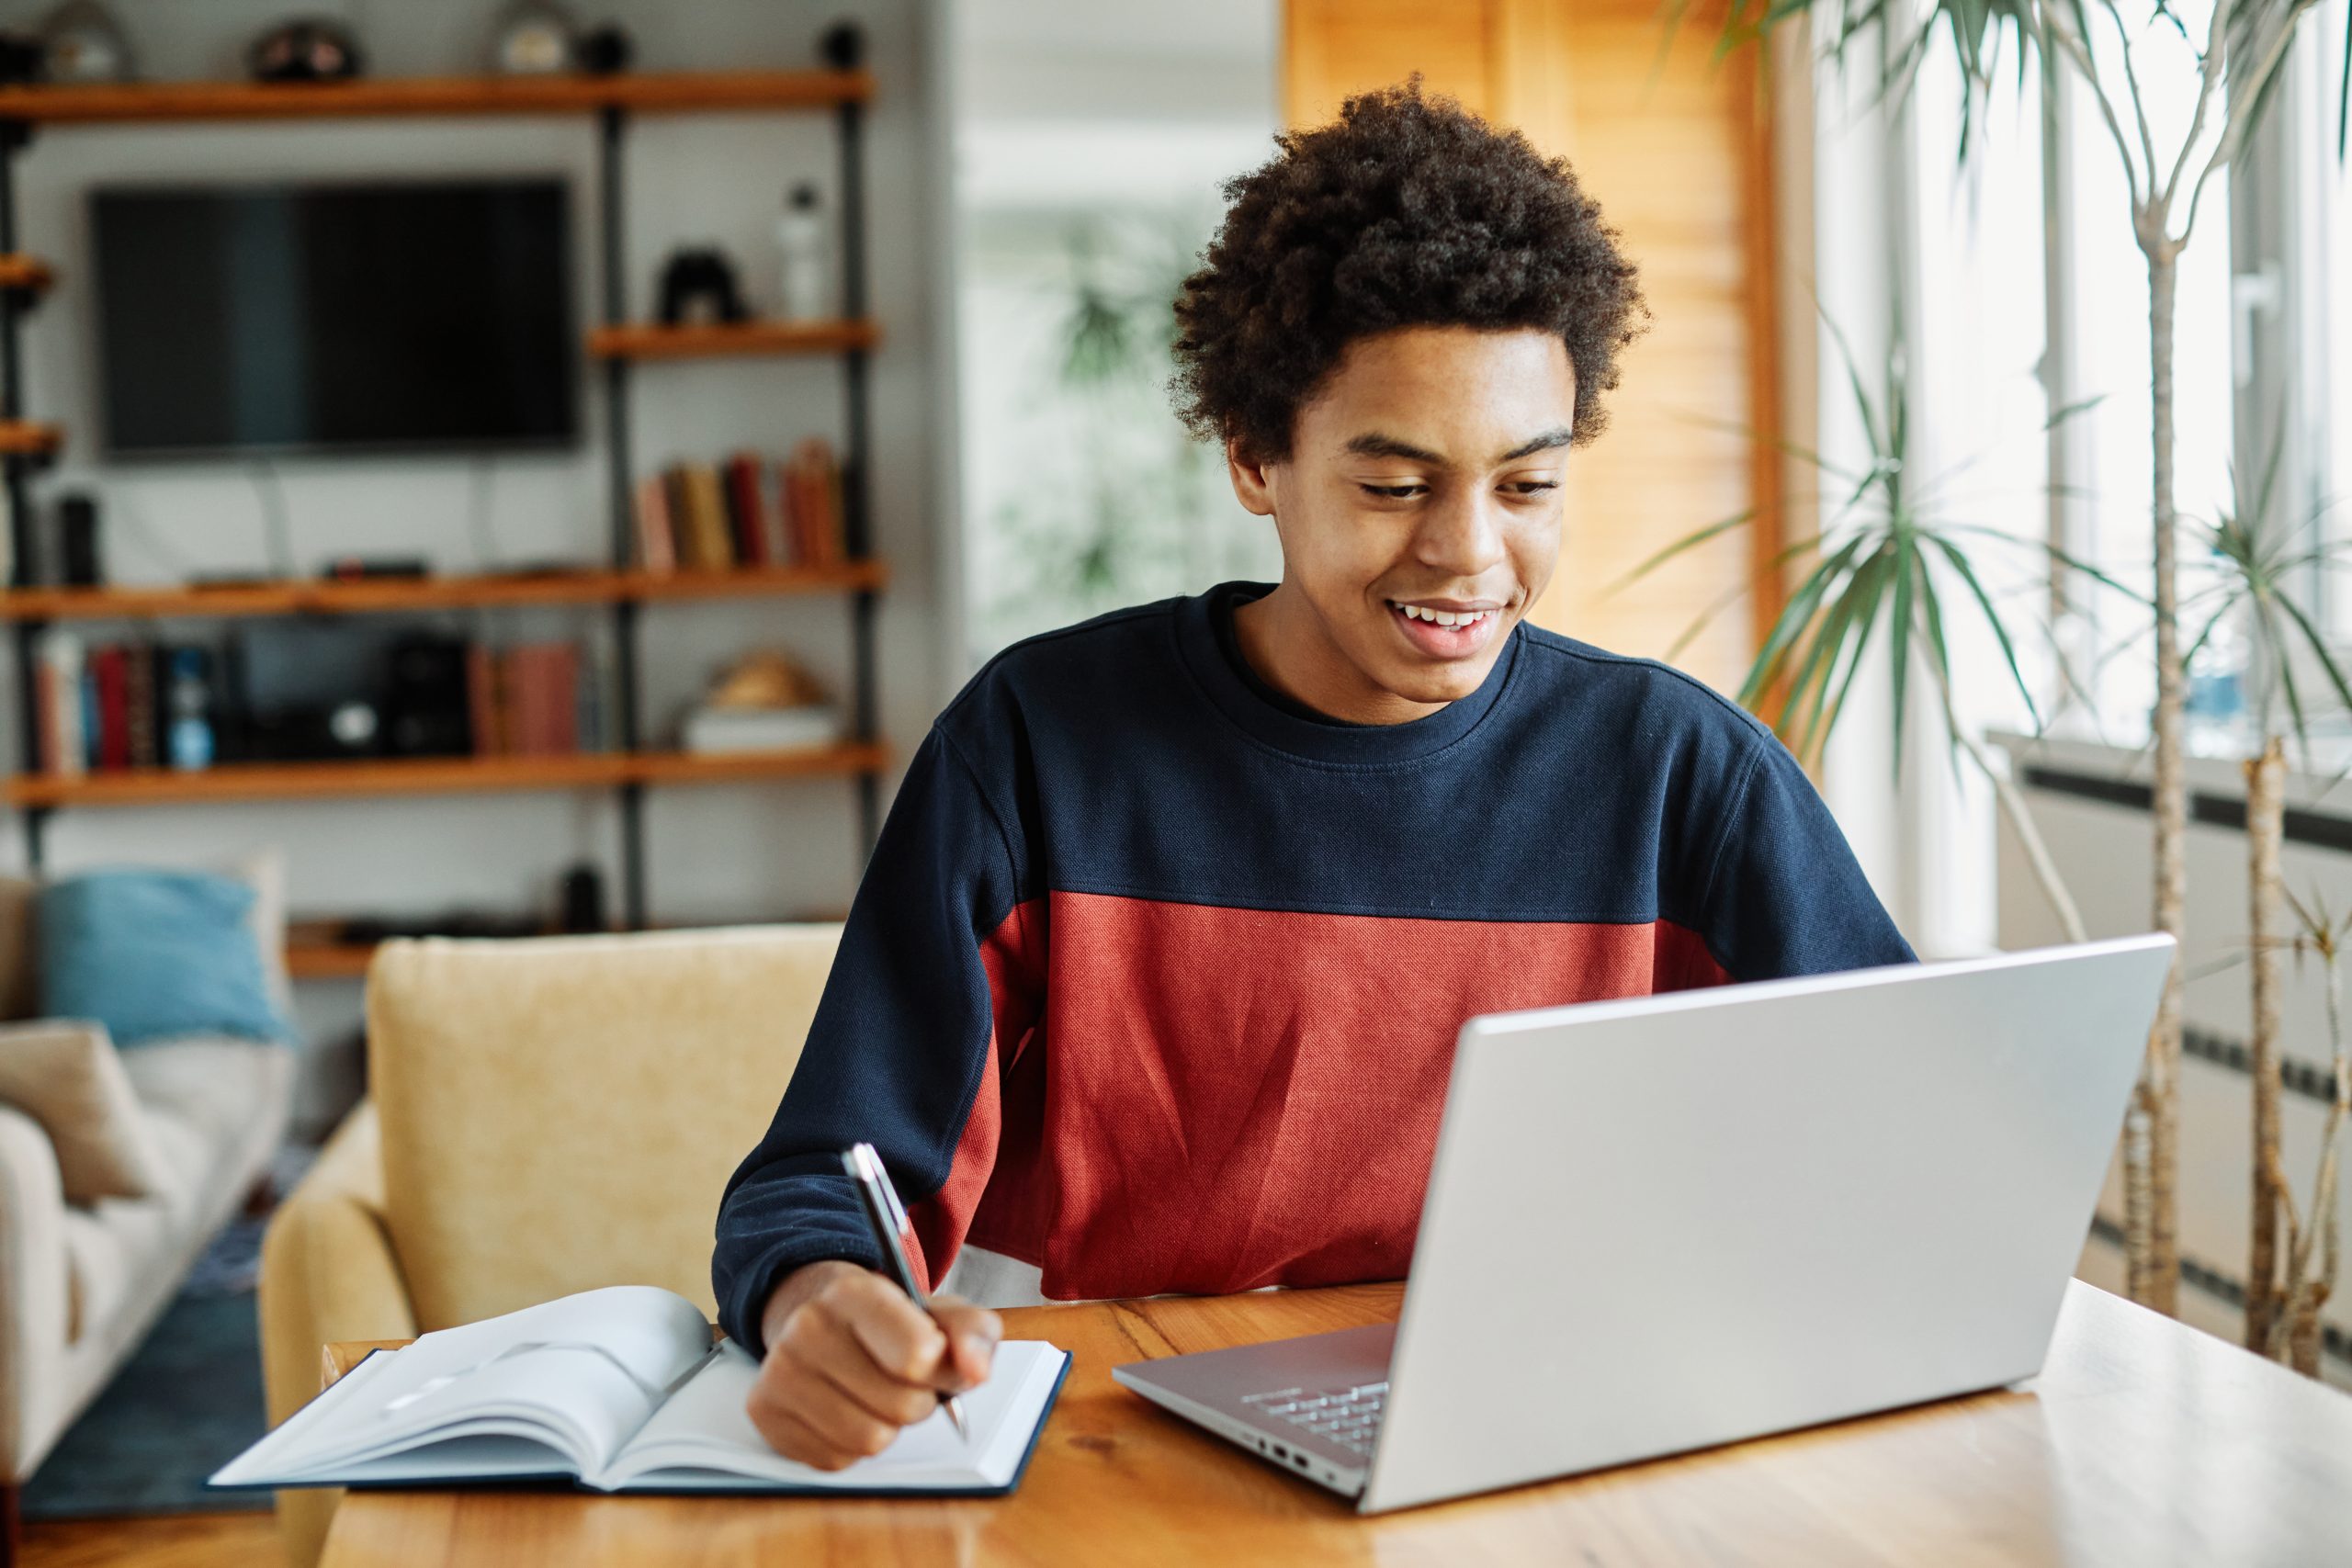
312, 958
647, 93
29, 274
681, 767
651, 340
433, 775
754, 582
383, 596
24, 438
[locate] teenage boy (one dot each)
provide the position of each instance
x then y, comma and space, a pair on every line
1153, 981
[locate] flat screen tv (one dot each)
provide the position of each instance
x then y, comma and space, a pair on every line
238, 319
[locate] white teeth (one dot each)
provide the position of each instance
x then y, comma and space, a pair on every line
1446, 617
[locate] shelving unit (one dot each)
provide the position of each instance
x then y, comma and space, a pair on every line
654, 341
388, 595
433, 775
617, 344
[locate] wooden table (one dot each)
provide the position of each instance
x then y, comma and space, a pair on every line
2143, 1443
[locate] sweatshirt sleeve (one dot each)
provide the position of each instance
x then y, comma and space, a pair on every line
938, 961
1786, 896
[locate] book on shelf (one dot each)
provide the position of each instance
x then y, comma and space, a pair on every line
64, 746
142, 713
745, 511
621, 1389
656, 549
811, 481
713, 549
527, 700
111, 682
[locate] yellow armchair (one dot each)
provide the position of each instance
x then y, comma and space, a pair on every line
545, 1116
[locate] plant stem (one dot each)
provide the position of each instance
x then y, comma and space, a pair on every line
2151, 1143
2266, 809
2306, 1296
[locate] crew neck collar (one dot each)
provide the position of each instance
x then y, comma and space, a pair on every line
1270, 718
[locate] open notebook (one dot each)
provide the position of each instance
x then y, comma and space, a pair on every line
621, 1390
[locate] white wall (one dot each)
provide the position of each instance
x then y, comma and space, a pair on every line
2105, 855
716, 854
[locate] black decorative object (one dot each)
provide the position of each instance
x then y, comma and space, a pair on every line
313, 49
843, 45
77, 540
583, 899
425, 708
81, 41
698, 284
606, 51
20, 58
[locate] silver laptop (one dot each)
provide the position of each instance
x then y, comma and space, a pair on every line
1658, 1225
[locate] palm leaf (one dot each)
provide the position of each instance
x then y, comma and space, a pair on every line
1906, 564
1959, 559
1792, 621
1687, 542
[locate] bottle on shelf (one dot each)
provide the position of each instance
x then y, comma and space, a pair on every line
187, 698
804, 290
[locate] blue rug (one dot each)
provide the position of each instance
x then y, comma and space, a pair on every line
187, 1403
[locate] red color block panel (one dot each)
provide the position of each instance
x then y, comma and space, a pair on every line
1213, 1099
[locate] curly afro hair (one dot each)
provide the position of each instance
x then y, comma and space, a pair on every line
1408, 210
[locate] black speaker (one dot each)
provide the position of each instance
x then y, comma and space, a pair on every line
77, 540
425, 697
583, 899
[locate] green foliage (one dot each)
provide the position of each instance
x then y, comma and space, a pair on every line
2260, 567
1107, 501
1888, 568
1981, 30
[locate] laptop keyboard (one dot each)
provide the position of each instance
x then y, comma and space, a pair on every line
1349, 1415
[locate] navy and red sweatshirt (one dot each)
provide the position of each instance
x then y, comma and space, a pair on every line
1153, 981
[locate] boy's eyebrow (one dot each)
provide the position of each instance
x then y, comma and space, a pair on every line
1372, 443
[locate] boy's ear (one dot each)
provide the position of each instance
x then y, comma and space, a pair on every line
1253, 483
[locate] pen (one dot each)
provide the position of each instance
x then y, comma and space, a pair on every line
887, 1219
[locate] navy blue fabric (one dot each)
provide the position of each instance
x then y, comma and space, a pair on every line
1137, 755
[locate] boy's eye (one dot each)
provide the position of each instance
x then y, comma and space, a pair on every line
1532, 487
1395, 491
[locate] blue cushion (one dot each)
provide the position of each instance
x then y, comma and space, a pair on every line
154, 954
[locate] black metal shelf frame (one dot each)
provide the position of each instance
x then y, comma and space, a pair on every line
16, 468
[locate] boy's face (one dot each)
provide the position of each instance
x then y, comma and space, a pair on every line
1424, 487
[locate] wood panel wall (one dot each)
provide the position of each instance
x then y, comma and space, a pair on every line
1677, 150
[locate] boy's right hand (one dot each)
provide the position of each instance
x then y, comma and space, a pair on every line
851, 1361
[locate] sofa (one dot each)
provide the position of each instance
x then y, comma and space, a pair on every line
82, 1282
546, 1115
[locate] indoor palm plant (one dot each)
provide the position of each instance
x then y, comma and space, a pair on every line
2236, 51
2259, 570
1890, 569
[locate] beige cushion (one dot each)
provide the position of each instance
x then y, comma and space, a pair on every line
561, 1112
66, 1075
264, 870
209, 1081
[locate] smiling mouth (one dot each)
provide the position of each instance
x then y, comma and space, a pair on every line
1445, 634
1446, 618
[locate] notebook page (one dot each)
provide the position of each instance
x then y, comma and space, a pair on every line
584, 1371
703, 1428
272, 1455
